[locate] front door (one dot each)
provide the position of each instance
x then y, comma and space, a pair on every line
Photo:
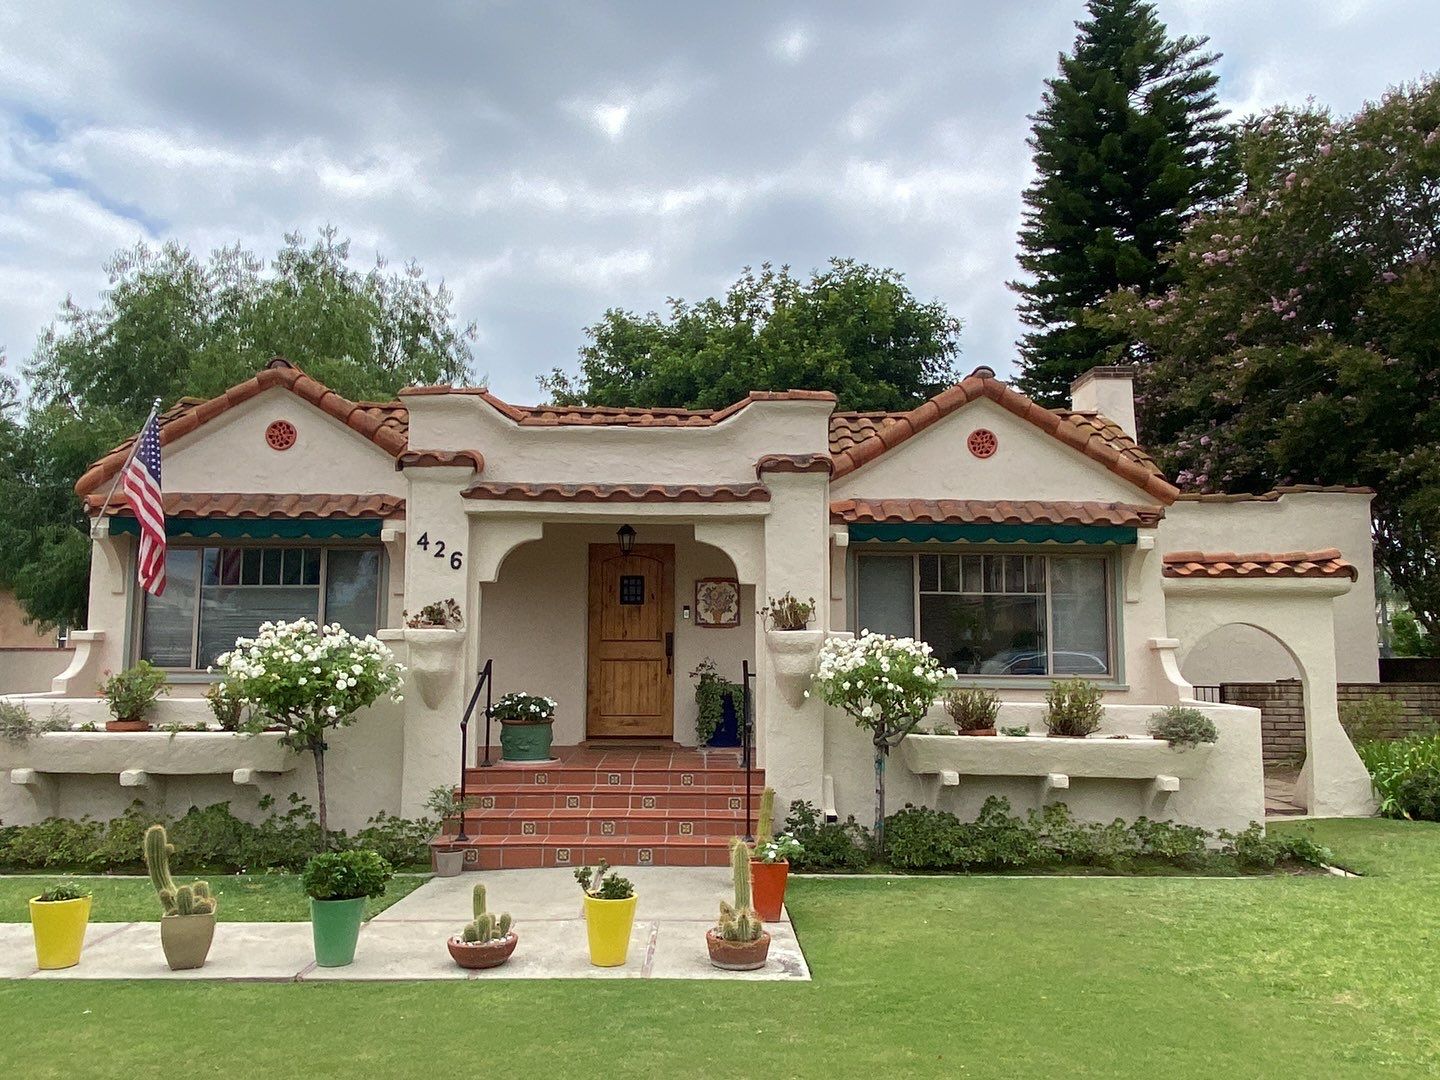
631, 680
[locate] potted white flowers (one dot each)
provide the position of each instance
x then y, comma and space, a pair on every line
793, 645
525, 726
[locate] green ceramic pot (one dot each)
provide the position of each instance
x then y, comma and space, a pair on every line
336, 927
526, 741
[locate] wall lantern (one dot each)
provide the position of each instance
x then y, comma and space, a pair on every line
626, 536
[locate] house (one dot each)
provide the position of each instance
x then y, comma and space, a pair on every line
1023, 543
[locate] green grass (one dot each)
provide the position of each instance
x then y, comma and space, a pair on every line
243, 897
961, 977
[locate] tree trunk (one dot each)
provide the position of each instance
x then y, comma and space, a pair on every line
319, 752
881, 750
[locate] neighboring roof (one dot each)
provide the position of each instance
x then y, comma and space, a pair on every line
859, 438
794, 463
1326, 563
250, 505
618, 493
431, 459
1275, 494
383, 423
606, 416
974, 512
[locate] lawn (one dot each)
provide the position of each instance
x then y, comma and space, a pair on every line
958, 977
243, 897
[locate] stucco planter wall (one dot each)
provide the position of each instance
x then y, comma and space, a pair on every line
434, 657
1035, 755
159, 753
793, 654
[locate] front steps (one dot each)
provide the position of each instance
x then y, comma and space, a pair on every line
643, 807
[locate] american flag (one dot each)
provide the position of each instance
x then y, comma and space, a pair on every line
141, 482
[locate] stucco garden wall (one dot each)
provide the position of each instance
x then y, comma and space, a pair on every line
29, 670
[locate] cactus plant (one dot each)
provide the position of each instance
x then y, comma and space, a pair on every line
193, 899
765, 828
485, 927
738, 921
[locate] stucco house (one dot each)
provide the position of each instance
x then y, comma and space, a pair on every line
1023, 543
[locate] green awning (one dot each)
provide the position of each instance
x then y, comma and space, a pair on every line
340, 528
922, 532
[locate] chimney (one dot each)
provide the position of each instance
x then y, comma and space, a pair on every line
1109, 391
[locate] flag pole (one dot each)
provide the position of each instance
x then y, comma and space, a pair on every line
134, 446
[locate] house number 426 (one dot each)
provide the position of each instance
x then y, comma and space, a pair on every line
457, 558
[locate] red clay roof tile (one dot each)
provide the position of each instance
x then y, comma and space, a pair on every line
1326, 563
618, 493
258, 505
977, 512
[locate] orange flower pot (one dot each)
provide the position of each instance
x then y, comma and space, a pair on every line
767, 887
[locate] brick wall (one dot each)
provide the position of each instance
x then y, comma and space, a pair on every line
1282, 710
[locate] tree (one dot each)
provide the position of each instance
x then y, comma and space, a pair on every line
851, 328
170, 325
1129, 142
1299, 343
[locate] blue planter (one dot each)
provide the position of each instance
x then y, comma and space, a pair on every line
728, 733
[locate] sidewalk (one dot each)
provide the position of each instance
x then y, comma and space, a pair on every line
407, 940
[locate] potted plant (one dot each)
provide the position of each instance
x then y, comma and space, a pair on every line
718, 703
306, 680
525, 726
886, 685
609, 914
770, 861
973, 709
739, 941
227, 709
130, 693
187, 921
448, 859
58, 917
1182, 727
1073, 709
338, 884
443, 615
793, 645
487, 940
433, 637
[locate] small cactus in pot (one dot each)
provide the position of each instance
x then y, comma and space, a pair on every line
187, 924
487, 940
739, 940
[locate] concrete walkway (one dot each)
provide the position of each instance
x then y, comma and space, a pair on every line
407, 940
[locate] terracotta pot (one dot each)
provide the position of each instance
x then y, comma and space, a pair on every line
1053, 735
767, 888
447, 862
186, 940
478, 955
977, 731
127, 725
738, 955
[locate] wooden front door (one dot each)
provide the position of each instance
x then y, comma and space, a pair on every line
631, 673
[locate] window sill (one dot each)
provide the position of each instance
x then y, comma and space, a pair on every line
1031, 682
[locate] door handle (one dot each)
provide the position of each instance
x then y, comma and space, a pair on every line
670, 654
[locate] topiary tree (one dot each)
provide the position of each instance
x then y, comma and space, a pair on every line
308, 680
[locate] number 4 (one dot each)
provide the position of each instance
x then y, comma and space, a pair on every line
424, 541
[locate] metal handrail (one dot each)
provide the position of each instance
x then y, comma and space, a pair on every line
483, 682
746, 723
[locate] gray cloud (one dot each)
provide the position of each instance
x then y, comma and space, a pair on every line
550, 160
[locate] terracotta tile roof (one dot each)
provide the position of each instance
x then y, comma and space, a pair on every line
956, 511
1275, 494
252, 505
794, 463
1093, 435
607, 416
1258, 564
383, 423
427, 459
618, 493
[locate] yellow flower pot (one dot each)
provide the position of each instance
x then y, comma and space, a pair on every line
59, 927
608, 924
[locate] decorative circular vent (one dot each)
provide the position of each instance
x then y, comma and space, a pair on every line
982, 443
280, 435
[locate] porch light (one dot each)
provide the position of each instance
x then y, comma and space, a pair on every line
626, 536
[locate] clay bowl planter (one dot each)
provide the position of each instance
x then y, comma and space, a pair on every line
738, 955
186, 940
526, 740
976, 731
127, 725
478, 955
59, 929
767, 888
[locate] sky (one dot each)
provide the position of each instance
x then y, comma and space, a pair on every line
549, 161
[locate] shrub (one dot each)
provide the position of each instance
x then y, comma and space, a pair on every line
826, 845
1406, 775
225, 707
1373, 717
17, 725
132, 691
443, 614
788, 612
602, 885
64, 890
1074, 707
712, 690
1253, 849
972, 708
1182, 727
346, 875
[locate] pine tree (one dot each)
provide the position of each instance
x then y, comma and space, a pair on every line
1129, 142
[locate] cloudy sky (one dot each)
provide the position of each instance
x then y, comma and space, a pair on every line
552, 160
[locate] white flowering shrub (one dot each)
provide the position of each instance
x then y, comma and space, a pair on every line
521, 708
307, 679
887, 685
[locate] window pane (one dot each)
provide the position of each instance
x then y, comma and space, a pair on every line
886, 604
166, 635
929, 572
974, 578
996, 635
352, 588
227, 613
1079, 607
270, 574
1015, 573
994, 573
1035, 573
312, 566
292, 563
950, 573
250, 575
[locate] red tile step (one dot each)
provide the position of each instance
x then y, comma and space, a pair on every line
621, 823
563, 775
558, 850
590, 797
